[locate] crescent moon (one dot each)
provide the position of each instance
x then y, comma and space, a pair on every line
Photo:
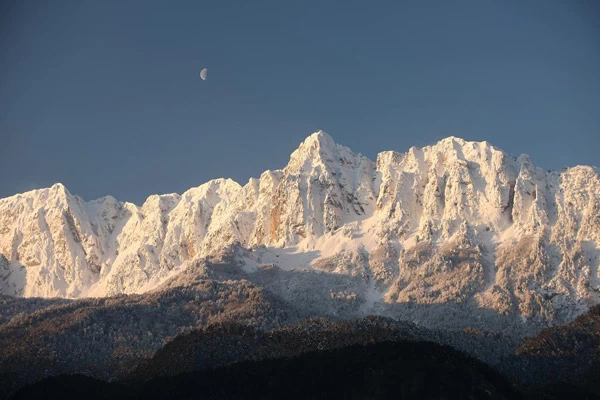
203, 73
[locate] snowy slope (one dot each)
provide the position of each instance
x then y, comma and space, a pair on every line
455, 222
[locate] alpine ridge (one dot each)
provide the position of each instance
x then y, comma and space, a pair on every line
456, 223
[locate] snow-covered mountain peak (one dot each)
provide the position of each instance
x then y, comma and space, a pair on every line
59, 187
319, 138
452, 140
219, 187
319, 152
462, 149
318, 148
57, 195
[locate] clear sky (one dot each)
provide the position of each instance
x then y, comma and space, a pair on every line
105, 96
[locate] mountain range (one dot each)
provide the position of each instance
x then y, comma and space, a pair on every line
459, 243
455, 222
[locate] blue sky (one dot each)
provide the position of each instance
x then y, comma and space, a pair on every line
105, 97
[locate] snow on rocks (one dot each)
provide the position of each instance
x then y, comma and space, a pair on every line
455, 222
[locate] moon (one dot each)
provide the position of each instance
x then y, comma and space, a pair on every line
203, 73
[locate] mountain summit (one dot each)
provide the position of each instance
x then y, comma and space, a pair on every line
457, 222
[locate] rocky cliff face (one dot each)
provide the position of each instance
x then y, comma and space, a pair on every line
453, 223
